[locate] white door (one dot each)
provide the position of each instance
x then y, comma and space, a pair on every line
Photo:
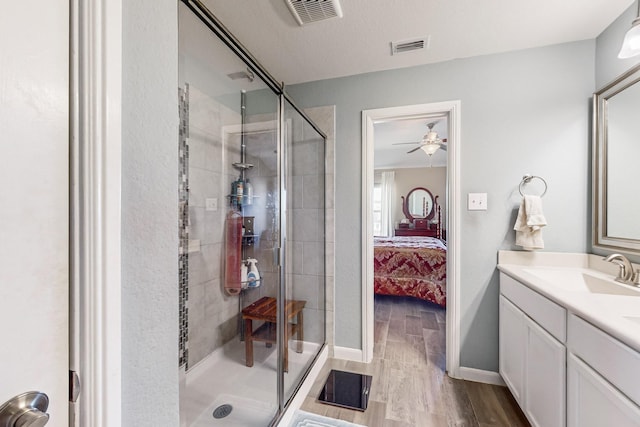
34, 188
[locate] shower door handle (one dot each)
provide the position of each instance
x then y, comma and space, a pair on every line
276, 257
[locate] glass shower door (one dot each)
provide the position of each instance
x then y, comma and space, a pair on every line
229, 227
252, 234
304, 169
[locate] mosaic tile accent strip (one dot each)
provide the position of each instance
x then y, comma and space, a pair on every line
183, 228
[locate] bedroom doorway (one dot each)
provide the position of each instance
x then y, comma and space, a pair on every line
415, 165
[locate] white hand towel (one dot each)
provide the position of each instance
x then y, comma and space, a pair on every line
529, 223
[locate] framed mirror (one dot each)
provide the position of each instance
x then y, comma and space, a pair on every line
419, 204
616, 139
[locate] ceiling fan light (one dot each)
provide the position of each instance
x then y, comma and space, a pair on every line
631, 43
430, 148
430, 137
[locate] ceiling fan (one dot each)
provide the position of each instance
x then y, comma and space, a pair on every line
430, 142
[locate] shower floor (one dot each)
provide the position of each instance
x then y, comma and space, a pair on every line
244, 412
223, 378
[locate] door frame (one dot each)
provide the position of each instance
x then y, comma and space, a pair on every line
95, 68
369, 118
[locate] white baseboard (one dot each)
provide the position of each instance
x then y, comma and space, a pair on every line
348, 353
480, 376
304, 389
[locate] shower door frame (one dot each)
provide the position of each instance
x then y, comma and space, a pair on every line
210, 20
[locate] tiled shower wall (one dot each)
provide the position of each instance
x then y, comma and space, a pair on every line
324, 118
214, 145
311, 195
212, 315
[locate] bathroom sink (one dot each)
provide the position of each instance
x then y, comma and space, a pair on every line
577, 280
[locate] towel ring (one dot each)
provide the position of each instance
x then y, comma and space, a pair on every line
527, 178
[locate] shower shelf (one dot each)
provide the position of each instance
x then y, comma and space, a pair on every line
242, 166
244, 197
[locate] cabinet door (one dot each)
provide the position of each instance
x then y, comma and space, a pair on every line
593, 402
512, 347
545, 378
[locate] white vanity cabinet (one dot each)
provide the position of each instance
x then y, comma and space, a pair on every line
561, 369
603, 378
532, 352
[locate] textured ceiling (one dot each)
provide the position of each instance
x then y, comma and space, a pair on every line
359, 42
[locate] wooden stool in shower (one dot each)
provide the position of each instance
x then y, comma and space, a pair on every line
265, 310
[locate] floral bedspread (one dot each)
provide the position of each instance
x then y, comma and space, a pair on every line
411, 266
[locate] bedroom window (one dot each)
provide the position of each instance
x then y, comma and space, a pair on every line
377, 210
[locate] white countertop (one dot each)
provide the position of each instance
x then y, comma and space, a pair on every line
607, 312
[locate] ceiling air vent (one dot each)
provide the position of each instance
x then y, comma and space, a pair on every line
308, 11
409, 45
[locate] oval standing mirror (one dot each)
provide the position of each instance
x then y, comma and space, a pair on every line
418, 204
616, 149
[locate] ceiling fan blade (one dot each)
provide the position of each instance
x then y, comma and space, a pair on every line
415, 149
406, 143
443, 147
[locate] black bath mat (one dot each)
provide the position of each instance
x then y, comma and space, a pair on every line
347, 390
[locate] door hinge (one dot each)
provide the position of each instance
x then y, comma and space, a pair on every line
74, 386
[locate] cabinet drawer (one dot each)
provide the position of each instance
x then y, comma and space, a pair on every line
615, 361
548, 314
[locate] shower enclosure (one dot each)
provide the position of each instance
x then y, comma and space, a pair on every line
252, 233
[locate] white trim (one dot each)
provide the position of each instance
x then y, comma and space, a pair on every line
348, 353
369, 117
481, 376
305, 388
453, 240
96, 74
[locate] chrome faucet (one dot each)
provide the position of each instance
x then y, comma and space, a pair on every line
626, 274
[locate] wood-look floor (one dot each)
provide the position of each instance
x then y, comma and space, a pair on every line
410, 387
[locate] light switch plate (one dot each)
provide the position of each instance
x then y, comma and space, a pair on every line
211, 204
477, 202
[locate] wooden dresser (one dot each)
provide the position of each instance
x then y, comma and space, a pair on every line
427, 232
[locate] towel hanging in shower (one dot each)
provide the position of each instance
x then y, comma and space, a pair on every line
233, 253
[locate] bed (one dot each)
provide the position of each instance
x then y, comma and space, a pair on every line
411, 266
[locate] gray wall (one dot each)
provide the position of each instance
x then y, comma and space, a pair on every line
149, 214
522, 112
